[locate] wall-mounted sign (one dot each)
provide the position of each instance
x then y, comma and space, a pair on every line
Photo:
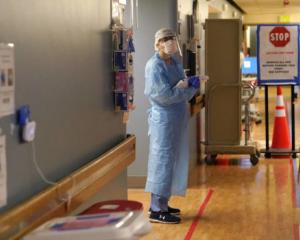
278, 54
7, 79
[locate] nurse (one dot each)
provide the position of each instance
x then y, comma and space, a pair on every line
168, 91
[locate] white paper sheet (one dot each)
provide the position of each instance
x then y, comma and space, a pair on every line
7, 79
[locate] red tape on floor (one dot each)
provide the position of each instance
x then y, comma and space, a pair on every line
198, 216
296, 232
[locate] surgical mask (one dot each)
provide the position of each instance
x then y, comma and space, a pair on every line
170, 47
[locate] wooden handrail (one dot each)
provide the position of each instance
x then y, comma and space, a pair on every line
69, 193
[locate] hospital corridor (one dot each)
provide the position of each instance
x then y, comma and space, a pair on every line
234, 200
150, 120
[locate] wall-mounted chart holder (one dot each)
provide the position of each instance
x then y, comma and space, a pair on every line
123, 49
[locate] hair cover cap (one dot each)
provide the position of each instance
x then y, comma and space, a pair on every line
162, 33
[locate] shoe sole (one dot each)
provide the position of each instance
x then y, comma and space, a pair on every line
174, 214
158, 221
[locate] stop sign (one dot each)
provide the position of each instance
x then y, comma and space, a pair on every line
279, 36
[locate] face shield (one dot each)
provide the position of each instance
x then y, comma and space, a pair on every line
171, 45
178, 46
169, 41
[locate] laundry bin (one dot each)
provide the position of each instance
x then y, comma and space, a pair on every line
113, 206
109, 220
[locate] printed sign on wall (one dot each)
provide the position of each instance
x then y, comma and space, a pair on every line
278, 54
7, 79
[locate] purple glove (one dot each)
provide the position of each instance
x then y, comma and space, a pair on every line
194, 81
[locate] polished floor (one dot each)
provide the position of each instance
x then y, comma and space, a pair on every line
234, 200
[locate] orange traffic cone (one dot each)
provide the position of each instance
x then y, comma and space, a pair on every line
281, 134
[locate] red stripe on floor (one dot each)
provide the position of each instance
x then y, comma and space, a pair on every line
198, 216
296, 232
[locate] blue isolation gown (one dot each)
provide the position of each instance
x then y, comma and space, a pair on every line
168, 127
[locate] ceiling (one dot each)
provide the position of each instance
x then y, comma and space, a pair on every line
269, 6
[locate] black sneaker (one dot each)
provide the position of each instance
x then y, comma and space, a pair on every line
173, 211
163, 217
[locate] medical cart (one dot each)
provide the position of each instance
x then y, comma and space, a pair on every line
223, 93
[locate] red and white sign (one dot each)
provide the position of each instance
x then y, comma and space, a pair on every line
280, 36
278, 54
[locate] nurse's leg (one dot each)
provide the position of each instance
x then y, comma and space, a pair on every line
159, 213
159, 203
